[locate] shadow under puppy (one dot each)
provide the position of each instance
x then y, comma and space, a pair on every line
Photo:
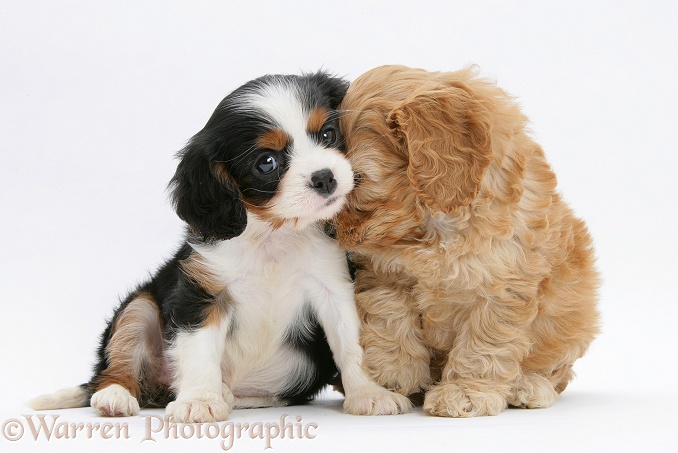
257, 307
477, 283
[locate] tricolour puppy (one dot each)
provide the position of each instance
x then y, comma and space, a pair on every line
257, 307
478, 284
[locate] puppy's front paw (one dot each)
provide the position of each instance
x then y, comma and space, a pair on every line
457, 400
114, 401
198, 409
375, 400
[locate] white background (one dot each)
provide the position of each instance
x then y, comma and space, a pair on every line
96, 97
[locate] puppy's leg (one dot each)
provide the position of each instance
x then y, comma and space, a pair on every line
395, 355
337, 314
556, 344
196, 357
565, 326
491, 342
132, 358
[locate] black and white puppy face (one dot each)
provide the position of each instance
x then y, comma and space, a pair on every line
273, 148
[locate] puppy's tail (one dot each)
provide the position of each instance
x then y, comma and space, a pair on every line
62, 399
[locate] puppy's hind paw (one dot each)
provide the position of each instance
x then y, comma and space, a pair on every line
114, 401
376, 400
532, 391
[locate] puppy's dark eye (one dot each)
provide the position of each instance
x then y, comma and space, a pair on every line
329, 136
266, 164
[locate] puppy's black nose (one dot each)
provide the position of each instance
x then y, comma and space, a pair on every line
323, 182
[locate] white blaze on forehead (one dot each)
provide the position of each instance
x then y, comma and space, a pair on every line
281, 103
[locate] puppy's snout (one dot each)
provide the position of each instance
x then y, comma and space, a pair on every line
323, 182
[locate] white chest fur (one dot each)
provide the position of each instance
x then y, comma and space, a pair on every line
270, 275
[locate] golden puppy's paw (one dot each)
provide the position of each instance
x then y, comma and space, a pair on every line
114, 401
198, 409
375, 400
532, 391
457, 400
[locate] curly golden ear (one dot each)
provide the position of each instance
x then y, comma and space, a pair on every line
447, 135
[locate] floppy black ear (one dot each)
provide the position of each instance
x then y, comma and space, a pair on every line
206, 197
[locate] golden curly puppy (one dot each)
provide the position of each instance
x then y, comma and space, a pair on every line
476, 282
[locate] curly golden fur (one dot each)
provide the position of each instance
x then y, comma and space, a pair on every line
477, 284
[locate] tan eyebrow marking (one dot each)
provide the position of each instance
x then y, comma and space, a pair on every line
275, 139
317, 119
